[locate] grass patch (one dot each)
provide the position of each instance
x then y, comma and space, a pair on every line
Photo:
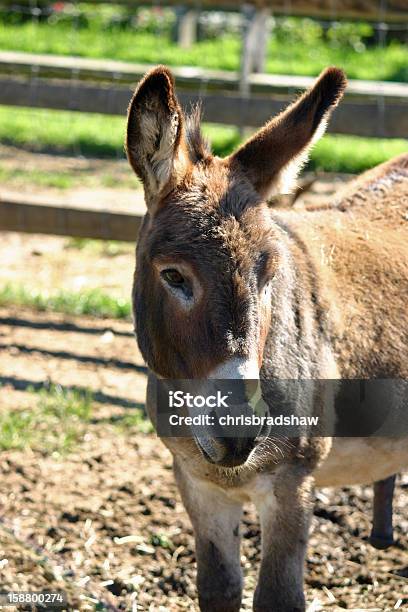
353, 154
93, 302
110, 181
296, 45
106, 248
65, 132
135, 419
55, 422
67, 179
59, 180
97, 135
223, 139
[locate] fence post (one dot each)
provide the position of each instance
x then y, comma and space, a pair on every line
262, 27
254, 43
185, 30
254, 46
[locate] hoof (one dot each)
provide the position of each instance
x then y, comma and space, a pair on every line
220, 604
381, 542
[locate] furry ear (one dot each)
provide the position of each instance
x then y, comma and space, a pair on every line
155, 142
273, 157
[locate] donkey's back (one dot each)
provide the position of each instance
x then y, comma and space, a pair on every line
359, 247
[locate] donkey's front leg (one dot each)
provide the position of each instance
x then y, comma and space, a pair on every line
215, 519
285, 517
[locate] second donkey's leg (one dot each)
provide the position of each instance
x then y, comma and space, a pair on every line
382, 533
216, 520
285, 518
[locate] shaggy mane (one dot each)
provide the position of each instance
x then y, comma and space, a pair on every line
198, 146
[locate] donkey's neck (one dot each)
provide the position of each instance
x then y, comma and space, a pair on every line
298, 343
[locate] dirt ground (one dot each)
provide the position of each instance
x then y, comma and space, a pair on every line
105, 523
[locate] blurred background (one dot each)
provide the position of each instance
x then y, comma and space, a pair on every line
87, 499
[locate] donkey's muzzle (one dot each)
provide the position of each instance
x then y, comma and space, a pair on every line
226, 452
229, 434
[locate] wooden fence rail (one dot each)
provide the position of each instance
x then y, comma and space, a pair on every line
370, 108
65, 67
46, 218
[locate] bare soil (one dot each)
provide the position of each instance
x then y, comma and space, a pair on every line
105, 523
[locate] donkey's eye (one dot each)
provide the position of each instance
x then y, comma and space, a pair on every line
173, 277
180, 286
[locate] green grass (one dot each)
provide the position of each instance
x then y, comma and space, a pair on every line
135, 419
54, 422
296, 46
353, 154
66, 179
106, 248
56, 419
93, 302
97, 135
62, 132
60, 180
111, 182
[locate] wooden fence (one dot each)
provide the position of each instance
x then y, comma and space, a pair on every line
78, 222
243, 98
97, 86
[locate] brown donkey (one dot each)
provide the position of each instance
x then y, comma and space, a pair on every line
226, 287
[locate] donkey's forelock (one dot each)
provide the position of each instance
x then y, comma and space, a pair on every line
198, 147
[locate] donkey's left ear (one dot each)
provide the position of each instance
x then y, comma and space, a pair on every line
272, 158
155, 143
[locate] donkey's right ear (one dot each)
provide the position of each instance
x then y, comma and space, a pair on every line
272, 158
155, 142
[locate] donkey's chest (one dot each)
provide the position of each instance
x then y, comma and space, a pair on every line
362, 461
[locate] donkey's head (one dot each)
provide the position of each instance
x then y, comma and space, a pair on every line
209, 253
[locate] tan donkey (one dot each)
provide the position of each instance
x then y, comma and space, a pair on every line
227, 287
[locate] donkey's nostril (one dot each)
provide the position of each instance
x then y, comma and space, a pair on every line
212, 449
238, 451
226, 452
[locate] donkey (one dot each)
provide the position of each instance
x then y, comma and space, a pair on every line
227, 287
